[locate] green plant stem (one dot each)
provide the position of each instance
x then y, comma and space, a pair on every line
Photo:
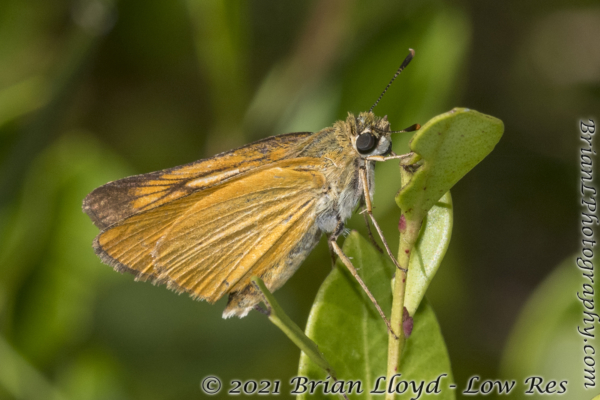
281, 320
409, 233
278, 317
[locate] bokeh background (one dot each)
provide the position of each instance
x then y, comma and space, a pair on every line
94, 90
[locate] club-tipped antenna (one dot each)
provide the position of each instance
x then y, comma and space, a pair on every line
407, 60
411, 128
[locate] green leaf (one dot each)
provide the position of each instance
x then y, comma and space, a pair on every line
352, 336
450, 145
429, 251
545, 342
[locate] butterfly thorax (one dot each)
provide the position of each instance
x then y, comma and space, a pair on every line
340, 163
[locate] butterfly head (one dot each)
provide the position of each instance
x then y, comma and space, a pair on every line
369, 134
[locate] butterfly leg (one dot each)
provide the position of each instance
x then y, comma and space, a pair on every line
336, 248
408, 158
369, 230
331, 254
266, 311
258, 307
369, 211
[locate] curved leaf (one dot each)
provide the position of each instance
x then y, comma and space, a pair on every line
429, 251
545, 342
450, 145
352, 336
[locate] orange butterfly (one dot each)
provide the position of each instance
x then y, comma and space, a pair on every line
207, 227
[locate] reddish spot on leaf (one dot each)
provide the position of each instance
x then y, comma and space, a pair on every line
407, 323
407, 251
402, 223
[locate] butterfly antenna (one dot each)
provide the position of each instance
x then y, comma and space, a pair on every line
411, 128
407, 60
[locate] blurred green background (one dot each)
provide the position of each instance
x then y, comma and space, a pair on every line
93, 91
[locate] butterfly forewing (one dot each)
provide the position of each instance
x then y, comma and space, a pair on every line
211, 242
115, 201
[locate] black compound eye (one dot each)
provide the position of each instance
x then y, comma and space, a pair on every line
365, 142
